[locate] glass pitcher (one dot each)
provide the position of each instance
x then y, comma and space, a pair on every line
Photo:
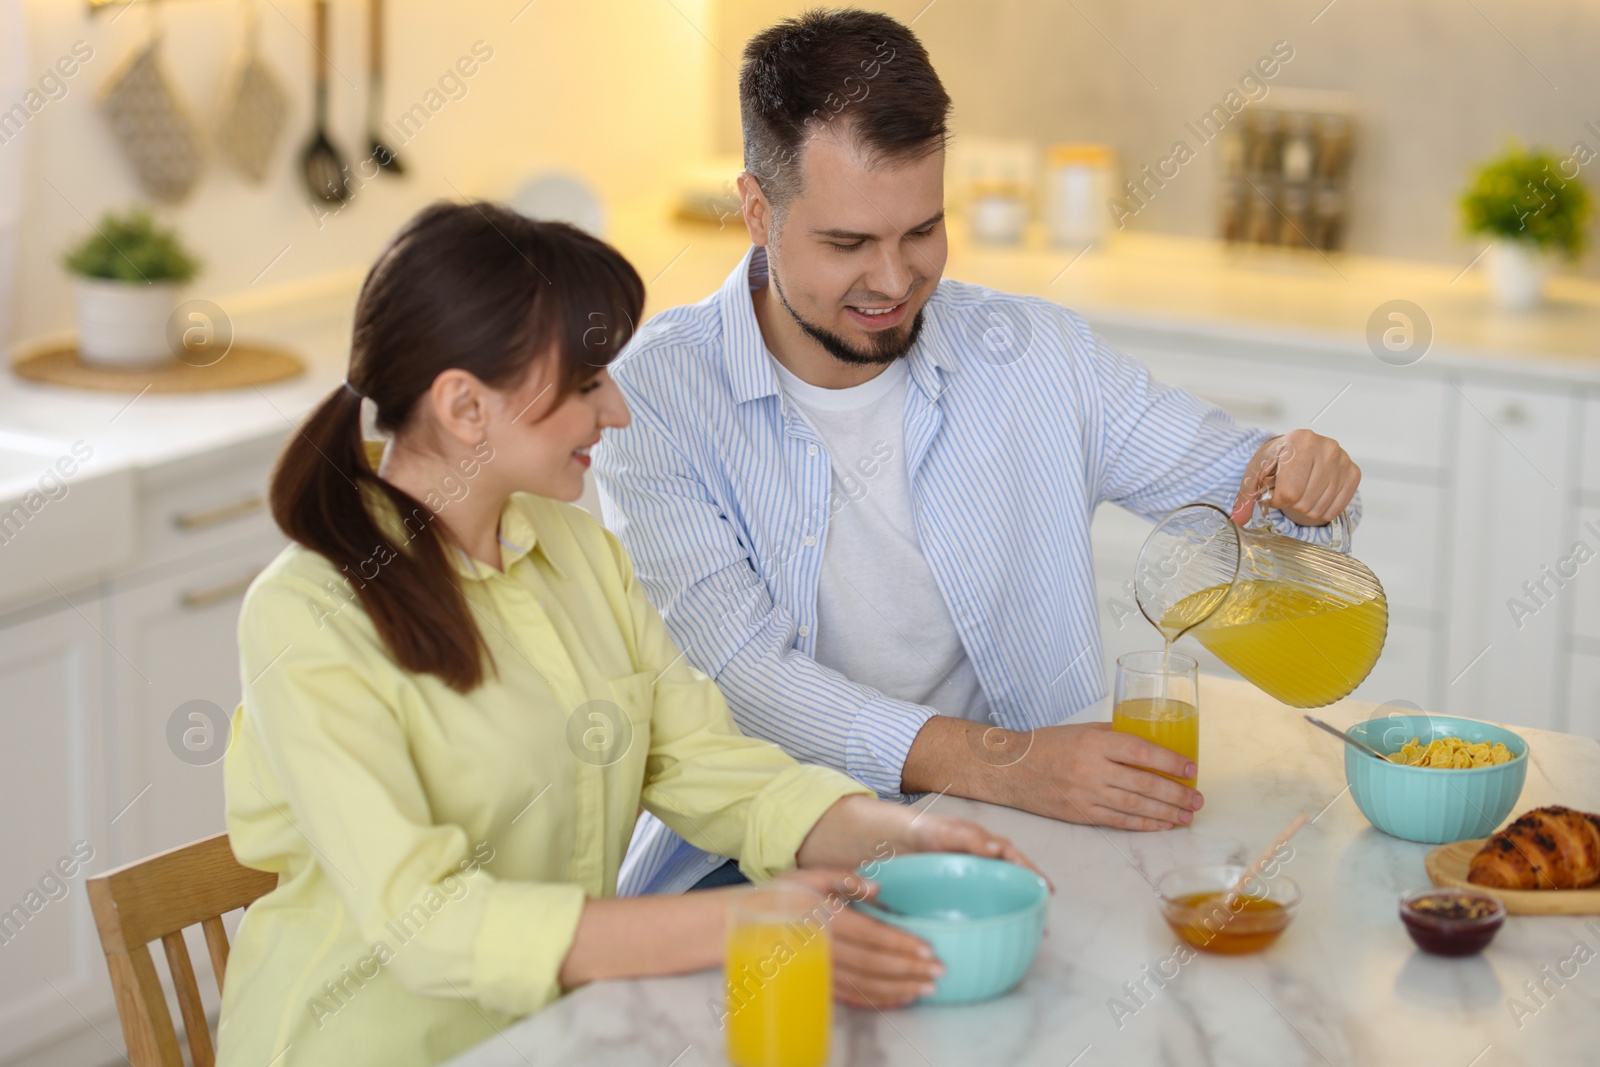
1303, 622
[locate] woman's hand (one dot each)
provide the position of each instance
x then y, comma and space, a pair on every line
860, 829
942, 833
875, 965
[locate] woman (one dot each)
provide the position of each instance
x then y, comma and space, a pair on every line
457, 698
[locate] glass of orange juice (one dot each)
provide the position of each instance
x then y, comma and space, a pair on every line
1158, 698
778, 978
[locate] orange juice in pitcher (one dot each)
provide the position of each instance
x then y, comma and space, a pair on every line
1294, 642
1302, 622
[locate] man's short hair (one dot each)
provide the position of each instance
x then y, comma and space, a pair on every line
859, 71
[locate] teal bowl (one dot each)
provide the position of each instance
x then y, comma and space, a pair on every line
1434, 805
982, 917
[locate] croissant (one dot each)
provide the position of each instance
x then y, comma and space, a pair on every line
1546, 848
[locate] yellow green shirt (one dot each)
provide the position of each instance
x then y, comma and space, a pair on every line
434, 850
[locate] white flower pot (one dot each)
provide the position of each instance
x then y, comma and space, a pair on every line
1517, 270
123, 324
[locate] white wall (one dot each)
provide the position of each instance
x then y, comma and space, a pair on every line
614, 90
13, 62
1441, 85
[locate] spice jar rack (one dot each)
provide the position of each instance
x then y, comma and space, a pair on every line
1285, 177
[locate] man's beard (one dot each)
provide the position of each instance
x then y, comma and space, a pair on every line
885, 346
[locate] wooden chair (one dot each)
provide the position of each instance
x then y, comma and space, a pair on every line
157, 898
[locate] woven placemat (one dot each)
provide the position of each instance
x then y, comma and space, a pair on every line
244, 364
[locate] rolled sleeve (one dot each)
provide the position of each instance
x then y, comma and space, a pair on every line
783, 814
880, 742
523, 940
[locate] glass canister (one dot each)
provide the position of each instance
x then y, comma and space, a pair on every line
1078, 183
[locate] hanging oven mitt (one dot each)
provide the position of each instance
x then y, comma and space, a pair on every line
253, 109
153, 127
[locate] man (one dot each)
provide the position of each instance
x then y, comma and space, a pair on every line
861, 496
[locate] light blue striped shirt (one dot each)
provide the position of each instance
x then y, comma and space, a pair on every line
1019, 422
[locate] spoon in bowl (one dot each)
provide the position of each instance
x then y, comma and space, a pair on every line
1346, 738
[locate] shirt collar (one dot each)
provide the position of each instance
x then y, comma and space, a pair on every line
745, 353
518, 536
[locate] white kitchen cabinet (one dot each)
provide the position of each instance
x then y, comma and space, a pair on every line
1589, 472
176, 686
1391, 418
1513, 482
1582, 591
1583, 700
194, 506
1406, 669
57, 811
91, 693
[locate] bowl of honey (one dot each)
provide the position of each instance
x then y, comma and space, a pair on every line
1195, 902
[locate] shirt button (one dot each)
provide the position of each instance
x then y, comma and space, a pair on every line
805, 631
714, 860
809, 541
811, 450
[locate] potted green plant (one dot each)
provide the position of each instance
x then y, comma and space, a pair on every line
128, 273
1532, 210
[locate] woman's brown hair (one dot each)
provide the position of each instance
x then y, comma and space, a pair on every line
472, 286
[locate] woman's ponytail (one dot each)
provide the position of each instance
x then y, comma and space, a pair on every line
408, 589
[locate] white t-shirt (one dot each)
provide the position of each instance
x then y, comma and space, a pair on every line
881, 620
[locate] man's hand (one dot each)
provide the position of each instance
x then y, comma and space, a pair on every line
1312, 480
1083, 773
1090, 773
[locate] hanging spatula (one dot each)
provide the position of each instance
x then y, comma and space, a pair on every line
325, 175
382, 154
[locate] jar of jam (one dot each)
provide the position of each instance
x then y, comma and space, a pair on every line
1451, 922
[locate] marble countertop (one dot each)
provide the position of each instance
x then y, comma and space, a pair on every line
1343, 986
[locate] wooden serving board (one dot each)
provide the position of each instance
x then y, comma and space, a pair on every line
1447, 865
244, 363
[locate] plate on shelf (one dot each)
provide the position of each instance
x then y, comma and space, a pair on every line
1447, 865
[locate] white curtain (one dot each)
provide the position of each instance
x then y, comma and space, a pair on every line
13, 83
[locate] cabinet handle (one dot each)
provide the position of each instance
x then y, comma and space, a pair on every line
1244, 406
196, 599
1514, 414
200, 519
